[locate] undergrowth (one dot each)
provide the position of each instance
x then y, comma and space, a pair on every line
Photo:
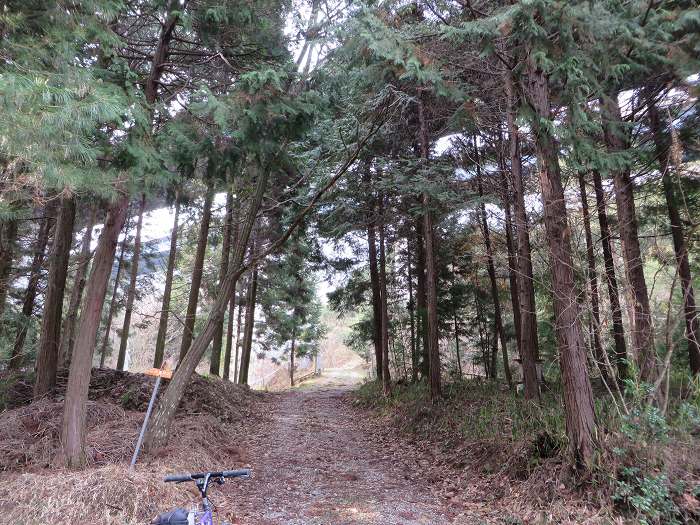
475, 410
647, 468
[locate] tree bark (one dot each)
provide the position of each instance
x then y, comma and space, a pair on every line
197, 270
376, 300
411, 313
47, 355
42, 240
229, 330
598, 351
642, 331
482, 325
611, 281
373, 272
8, 239
291, 357
384, 310
512, 256
665, 156
431, 273
498, 320
131, 294
73, 427
215, 362
459, 358
247, 348
65, 350
160, 55
528, 346
578, 395
113, 301
168, 289
421, 323
229, 338
238, 340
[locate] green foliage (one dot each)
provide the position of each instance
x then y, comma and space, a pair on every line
647, 498
55, 111
291, 309
646, 482
645, 423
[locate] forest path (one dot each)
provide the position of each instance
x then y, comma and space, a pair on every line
316, 461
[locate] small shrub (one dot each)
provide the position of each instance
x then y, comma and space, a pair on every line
647, 498
126, 399
647, 423
688, 417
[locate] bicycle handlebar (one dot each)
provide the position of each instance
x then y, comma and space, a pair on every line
179, 478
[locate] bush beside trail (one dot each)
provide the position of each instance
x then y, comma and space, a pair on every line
485, 449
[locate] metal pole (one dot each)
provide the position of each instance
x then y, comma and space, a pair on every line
145, 423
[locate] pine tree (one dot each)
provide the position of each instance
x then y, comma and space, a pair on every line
291, 311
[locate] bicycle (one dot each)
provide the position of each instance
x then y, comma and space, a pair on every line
203, 514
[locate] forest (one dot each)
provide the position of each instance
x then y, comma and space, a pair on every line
497, 200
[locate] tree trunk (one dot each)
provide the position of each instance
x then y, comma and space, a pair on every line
494, 352
376, 300
483, 334
611, 281
65, 350
598, 351
229, 338
459, 358
73, 427
291, 357
113, 301
47, 355
384, 310
668, 165
498, 320
247, 348
578, 395
131, 294
411, 313
8, 239
215, 362
421, 323
529, 351
164, 413
430, 272
167, 291
374, 273
229, 330
512, 257
42, 240
160, 55
197, 270
238, 341
642, 330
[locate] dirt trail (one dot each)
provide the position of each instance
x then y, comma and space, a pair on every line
315, 463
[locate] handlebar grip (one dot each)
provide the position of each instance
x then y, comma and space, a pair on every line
178, 478
240, 473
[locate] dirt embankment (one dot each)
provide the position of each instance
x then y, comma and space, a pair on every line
34, 488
